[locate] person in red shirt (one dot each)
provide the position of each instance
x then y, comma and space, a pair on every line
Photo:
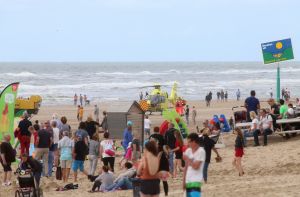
178, 153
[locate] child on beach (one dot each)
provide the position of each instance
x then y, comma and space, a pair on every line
239, 151
80, 113
127, 156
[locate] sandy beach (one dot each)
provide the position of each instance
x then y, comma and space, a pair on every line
273, 170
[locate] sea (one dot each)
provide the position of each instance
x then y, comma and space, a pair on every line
123, 81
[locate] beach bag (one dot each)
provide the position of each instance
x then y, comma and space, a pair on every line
109, 152
109, 149
58, 174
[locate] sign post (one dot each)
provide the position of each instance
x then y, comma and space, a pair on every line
277, 51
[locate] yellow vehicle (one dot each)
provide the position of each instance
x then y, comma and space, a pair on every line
158, 100
31, 105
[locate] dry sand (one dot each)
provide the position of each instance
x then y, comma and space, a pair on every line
273, 170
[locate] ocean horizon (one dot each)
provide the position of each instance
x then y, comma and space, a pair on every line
122, 81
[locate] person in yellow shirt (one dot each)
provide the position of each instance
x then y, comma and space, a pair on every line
80, 113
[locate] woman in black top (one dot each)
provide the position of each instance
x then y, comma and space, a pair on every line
239, 151
164, 162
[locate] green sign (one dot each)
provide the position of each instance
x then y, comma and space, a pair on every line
277, 51
7, 109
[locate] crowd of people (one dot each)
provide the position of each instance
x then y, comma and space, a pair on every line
164, 156
56, 146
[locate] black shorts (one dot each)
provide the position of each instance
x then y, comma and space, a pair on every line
6, 168
150, 187
178, 155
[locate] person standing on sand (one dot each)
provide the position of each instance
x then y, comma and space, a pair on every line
238, 95
194, 158
7, 156
170, 141
141, 96
194, 114
24, 134
80, 99
147, 125
104, 124
127, 136
80, 113
148, 170
65, 145
79, 153
239, 151
96, 113
44, 141
78, 109
75, 99
208, 145
226, 96
107, 151
91, 126
187, 114
251, 104
85, 100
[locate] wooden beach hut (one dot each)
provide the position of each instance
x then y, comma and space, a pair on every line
119, 114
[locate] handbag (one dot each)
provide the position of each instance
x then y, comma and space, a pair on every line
58, 173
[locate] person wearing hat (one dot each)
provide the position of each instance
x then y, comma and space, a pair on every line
33, 165
127, 135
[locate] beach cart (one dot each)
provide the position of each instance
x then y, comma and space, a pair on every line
239, 117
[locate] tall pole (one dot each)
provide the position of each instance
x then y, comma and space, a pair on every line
278, 83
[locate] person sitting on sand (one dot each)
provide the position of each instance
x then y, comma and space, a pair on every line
123, 180
104, 180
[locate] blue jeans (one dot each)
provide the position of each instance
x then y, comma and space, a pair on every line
247, 134
50, 162
171, 161
123, 183
205, 169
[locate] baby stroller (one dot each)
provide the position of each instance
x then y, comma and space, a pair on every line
27, 185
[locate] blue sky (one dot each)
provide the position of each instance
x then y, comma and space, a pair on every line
144, 30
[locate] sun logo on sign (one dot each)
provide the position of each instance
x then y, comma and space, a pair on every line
279, 45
